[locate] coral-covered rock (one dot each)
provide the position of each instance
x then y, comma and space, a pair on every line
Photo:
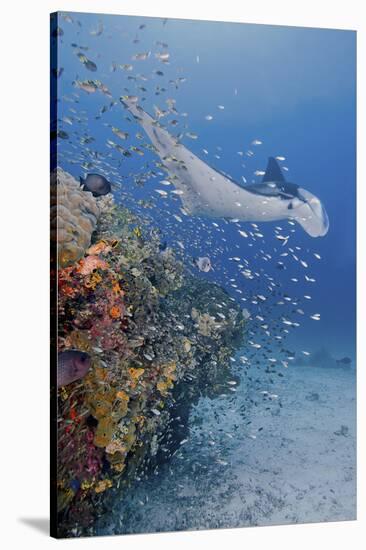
159, 338
74, 215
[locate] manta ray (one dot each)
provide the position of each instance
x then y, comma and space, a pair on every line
207, 192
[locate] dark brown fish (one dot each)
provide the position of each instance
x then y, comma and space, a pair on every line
96, 184
72, 365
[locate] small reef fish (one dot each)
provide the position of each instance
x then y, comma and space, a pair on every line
119, 133
203, 264
141, 56
164, 56
72, 365
88, 64
96, 184
88, 86
315, 317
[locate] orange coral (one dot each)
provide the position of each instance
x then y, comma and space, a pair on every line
66, 283
101, 373
115, 312
122, 395
69, 291
136, 373
117, 289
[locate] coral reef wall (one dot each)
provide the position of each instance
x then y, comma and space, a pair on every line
158, 339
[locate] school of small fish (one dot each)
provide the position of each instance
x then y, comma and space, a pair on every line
112, 166
259, 266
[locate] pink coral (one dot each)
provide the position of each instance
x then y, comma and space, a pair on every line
93, 460
88, 264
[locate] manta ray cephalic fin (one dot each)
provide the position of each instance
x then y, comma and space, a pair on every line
273, 171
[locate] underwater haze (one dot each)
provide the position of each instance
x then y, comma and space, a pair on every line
275, 443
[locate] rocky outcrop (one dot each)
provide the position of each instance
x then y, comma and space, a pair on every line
159, 338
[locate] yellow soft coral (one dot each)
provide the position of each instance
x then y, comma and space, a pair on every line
78, 339
163, 387
102, 485
93, 281
169, 371
168, 376
119, 467
85, 485
101, 409
104, 432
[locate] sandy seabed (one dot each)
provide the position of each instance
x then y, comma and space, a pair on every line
264, 464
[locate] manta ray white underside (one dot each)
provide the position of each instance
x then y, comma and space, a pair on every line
209, 193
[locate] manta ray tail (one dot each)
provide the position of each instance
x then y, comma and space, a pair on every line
131, 103
161, 139
273, 171
166, 146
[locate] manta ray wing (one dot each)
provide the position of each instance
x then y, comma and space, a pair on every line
205, 190
210, 193
272, 189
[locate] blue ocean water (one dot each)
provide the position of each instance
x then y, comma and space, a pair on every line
242, 93
291, 88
